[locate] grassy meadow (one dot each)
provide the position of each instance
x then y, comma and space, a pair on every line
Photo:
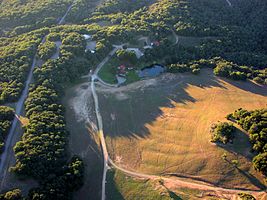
120, 187
164, 128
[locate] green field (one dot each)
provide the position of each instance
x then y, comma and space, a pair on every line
109, 70
164, 128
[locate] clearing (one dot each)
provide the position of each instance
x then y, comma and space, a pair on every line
161, 126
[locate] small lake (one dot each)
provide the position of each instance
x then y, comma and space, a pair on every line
151, 71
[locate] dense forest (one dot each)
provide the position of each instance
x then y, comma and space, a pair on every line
6, 117
236, 39
18, 16
234, 46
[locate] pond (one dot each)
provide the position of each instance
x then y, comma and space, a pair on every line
151, 71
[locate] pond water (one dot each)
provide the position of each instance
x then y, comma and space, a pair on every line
151, 71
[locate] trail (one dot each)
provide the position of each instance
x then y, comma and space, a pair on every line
6, 155
61, 21
229, 2
176, 37
95, 77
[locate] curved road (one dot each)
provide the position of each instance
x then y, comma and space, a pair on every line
95, 77
5, 156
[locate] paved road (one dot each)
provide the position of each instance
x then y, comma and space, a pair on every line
5, 156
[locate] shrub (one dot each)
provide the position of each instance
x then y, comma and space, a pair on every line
12, 195
222, 132
245, 196
223, 69
46, 50
196, 71
258, 80
260, 163
238, 76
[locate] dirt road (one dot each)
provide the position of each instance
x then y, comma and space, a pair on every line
229, 2
95, 77
5, 156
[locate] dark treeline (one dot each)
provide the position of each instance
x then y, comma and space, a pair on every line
16, 55
42, 152
18, 17
236, 34
6, 118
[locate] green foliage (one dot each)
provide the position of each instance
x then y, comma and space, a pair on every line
223, 69
258, 80
71, 64
260, 163
28, 15
127, 56
14, 194
41, 153
244, 196
46, 50
16, 56
46, 127
53, 37
222, 132
6, 117
61, 184
255, 122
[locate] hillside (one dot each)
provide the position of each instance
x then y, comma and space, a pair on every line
133, 99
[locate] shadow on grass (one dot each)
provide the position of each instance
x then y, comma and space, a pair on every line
112, 191
123, 118
253, 180
174, 196
128, 114
241, 145
248, 86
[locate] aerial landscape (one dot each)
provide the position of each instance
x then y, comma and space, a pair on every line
133, 99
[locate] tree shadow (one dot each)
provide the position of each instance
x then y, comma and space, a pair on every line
248, 86
112, 191
129, 113
253, 180
143, 105
82, 142
241, 145
174, 196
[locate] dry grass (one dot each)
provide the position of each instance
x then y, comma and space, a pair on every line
165, 128
24, 121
